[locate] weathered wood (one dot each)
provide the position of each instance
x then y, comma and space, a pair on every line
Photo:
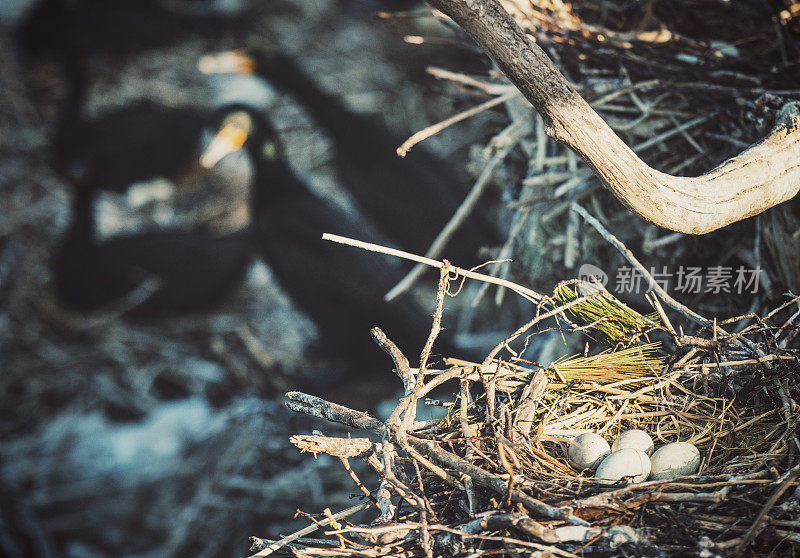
317, 407
760, 177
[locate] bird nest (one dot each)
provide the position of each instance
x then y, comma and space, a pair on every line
491, 476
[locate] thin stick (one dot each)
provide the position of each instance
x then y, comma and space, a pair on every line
444, 282
791, 476
490, 88
745, 362
525, 292
463, 211
310, 529
650, 245
357, 481
400, 361
317, 407
438, 127
616, 243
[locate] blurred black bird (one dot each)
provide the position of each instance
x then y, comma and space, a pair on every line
143, 139
408, 200
340, 288
114, 28
184, 270
138, 141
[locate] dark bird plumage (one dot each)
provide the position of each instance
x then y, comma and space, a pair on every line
188, 269
408, 200
113, 28
142, 139
339, 287
138, 141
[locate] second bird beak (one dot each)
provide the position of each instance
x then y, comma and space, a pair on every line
229, 139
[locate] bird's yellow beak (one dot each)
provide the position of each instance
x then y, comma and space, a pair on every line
229, 139
228, 62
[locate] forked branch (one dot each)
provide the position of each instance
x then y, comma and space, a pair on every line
760, 177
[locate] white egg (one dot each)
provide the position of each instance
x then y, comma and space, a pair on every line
675, 460
628, 462
587, 450
636, 439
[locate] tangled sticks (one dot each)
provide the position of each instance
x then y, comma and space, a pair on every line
491, 477
760, 177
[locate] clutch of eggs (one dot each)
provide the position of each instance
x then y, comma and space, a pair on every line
629, 457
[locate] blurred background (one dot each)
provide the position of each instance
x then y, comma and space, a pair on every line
153, 311
167, 169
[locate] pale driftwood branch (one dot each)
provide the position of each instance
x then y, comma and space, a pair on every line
760, 177
343, 448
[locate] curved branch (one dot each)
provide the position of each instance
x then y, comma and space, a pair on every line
760, 177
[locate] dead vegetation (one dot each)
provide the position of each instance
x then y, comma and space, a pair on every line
681, 85
686, 87
492, 478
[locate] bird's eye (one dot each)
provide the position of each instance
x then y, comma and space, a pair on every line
269, 150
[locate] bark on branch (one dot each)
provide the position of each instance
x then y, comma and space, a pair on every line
316, 407
760, 177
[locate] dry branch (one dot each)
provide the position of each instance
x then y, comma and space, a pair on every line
316, 407
492, 476
760, 177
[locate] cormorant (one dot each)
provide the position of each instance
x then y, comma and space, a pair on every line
187, 269
408, 200
114, 28
340, 288
136, 142
140, 140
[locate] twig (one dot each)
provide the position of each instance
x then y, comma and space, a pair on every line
749, 361
466, 431
436, 327
789, 478
498, 484
674, 304
317, 407
490, 88
310, 529
464, 210
628, 255
668, 134
525, 292
400, 361
343, 448
648, 246
364, 490
438, 127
